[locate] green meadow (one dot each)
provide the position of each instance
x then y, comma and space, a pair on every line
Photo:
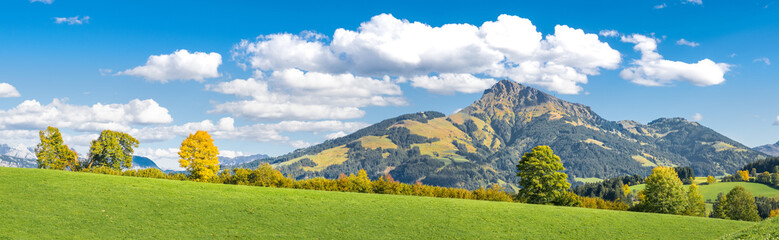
47, 204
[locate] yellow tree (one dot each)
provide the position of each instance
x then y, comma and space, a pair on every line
744, 175
199, 156
52, 153
711, 179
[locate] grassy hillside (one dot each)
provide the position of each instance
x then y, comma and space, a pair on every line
55, 204
709, 192
768, 229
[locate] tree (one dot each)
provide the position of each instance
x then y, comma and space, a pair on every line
774, 213
52, 153
740, 205
695, 204
711, 179
718, 209
199, 156
744, 174
540, 177
112, 149
664, 192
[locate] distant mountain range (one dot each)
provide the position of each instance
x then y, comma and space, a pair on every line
769, 149
482, 143
241, 159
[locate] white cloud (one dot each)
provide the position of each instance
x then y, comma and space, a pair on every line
697, 117
697, 2
687, 43
8, 90
300, 144
764, 60
777, 121
335, 135
180, 65
225, 129
661, 6
510, 47
449, 83
165, 158
231, 154
653, 70
609, 33
42, 1
31, 114
77, 20
306, 96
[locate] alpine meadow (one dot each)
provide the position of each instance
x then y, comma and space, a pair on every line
389, 119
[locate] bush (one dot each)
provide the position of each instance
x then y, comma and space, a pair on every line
103, 170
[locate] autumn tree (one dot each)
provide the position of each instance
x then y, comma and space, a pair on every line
740, 205
540, 176
52, 153
711, 179
695, 205
744, 174
774, 213
199, 156
112, 149
664, 192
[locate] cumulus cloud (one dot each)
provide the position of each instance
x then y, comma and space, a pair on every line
449, 83
31, 114
42, 1
440, 56
609, 33
8, 90
687, 43
165, 158
777, 121
653, 70
77, 20
306, 96
764, 60
180, 65
226, 129
697, 117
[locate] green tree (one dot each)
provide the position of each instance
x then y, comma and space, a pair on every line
52, 153
740, 205
718, 209
199, 156
695, 204
540, 177
664, 192
112, 149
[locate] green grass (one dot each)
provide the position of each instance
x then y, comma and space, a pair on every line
47, 204
709, 192
768, 229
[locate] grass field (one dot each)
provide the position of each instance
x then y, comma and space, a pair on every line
768, 229
46, 204
709, 192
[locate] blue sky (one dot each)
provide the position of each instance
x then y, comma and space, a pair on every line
159, 69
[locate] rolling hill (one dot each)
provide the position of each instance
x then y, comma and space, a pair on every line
482, 143
48, 204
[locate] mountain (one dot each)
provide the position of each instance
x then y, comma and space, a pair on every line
769, 149
17, 151
227, 161
143, 162
482, 143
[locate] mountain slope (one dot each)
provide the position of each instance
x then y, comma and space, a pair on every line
481, 144
94, 206
143, 162
769, 149
241, 159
